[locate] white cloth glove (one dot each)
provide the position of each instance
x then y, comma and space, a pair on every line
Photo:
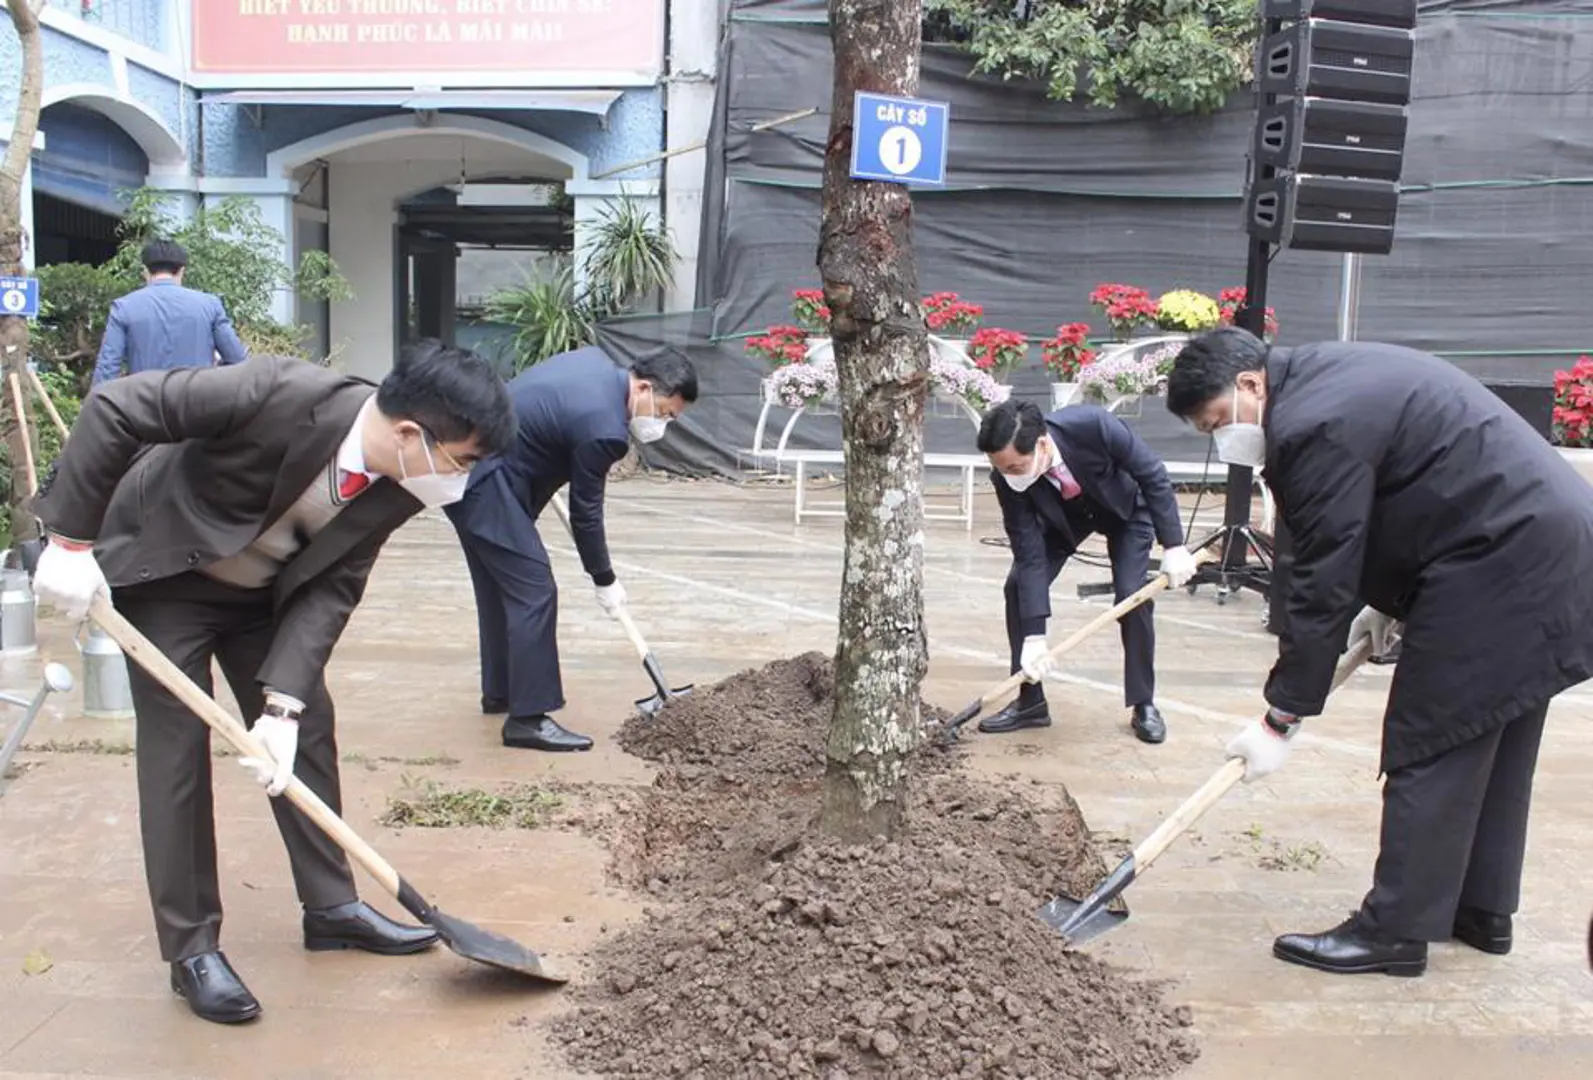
1179, 565
1262, 747
281, 739
68, 579
1035, 659
611, 597
1383, 630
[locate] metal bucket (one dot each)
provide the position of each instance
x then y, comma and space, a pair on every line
19, 632
107, 693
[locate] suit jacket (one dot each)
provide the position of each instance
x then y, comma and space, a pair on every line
573, 428
1119, 475
171, 470
166, 325
1408, 485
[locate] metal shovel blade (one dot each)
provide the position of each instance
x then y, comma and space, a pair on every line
1078, 923
662, 695
495, 950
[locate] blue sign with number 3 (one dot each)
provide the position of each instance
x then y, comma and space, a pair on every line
899, 140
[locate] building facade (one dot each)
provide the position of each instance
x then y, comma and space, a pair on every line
391, 134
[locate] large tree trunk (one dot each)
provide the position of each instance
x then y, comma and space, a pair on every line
871, 287
14, 330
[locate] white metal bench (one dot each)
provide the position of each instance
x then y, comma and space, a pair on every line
969, 464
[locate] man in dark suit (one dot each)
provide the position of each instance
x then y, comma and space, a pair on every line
576, 414
235, 513
1409, 487
166, 324
1060, 478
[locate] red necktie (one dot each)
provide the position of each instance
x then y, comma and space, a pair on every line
352, 484
1070, 487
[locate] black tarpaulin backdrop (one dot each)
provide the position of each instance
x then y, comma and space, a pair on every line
1045, 200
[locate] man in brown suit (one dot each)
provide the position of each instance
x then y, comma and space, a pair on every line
235, 512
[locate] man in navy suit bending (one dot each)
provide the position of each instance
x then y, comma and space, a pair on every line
1060, 478
576, 413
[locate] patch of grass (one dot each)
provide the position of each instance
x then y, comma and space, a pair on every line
80, 746
354, 757
430, 805
1307, 857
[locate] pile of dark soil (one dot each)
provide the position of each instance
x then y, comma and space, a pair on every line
776, 951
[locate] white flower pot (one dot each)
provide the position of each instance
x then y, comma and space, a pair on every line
1064, 394
1127, 406
1581, 460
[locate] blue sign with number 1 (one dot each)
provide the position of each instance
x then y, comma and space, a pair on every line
899, 140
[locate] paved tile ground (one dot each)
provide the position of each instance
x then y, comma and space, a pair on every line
722, 580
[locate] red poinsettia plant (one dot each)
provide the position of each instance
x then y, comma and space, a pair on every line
998, 351
1573, 404
1231, 300
1069, 352
949, 314
1125, 306
810, 311
780, 345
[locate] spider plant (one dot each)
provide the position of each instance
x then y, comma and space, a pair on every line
629, 255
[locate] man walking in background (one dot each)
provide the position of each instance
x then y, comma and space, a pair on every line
1079, 471
576, 413
166, 324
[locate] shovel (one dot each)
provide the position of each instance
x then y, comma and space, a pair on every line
1079, 921
1012, 682
466, 939
662, 694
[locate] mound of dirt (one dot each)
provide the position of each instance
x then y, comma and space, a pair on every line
777, 951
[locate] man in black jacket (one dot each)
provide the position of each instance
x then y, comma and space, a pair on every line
1058, 479
1409, 487
577, 412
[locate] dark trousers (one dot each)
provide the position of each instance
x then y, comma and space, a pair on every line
517, 622
1455, 832
191, 621
1129, 548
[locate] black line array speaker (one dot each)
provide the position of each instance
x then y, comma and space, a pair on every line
1324, 213
1352, 61
1336, 138
1329, 147
1400, 14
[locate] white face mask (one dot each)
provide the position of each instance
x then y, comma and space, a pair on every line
433, 489
648, 429
1239, 444
1025, 481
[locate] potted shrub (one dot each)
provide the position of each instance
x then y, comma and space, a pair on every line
1064, 356
949, 316
810, 311
1120, 379
1127, 308
1573, 415
1184, 311
998, 352
802, 385
780, 346
1231, 300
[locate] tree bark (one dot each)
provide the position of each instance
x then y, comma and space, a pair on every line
881, 355
14, 330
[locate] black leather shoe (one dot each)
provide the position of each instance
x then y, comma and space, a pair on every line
1483, 930
212, 989
1016, 717
1148, 725
494, 706
357, 925
1353, 949
541, 733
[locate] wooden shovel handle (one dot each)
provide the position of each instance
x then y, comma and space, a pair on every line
143, 652
1232, 771
624, 616
49, 406
1100, 622
27, 439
